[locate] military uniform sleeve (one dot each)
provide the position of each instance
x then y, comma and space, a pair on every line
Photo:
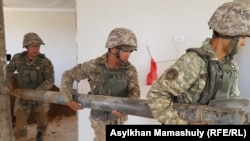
11, 68
176, 80
133, 84
48, 73
77, 73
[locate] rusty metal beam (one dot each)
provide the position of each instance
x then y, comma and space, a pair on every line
139, 107
98, 102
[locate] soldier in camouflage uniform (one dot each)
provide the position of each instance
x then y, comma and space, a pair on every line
110, 74
34, 71
204, 73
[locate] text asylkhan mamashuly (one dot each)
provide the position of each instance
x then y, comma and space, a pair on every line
156, 132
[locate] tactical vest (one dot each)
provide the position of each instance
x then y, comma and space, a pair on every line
112, 82
219, 77
30, 75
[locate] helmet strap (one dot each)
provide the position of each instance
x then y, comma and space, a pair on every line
232, 50
117, 54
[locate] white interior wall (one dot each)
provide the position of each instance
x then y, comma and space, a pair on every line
243, 59
244, 78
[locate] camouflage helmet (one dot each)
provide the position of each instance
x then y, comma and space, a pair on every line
231, 19
31, 38
122, 37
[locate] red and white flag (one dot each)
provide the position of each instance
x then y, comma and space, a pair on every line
152, 75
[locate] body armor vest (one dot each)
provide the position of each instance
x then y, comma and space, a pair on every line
112, 82
219, 77
30, 74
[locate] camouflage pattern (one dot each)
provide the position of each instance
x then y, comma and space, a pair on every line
99, 127
41, 62
22, 108
121, 37
230, 83
231, 19
22, 111
112, 82
88, 70
186, 78
31, 39
95, 72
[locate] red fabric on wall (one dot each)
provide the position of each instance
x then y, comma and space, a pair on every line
152, 75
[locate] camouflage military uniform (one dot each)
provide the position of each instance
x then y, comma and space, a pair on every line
103, 80
93, 71
186, 80
32, 74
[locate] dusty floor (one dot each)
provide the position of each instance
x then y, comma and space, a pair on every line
64, 129
62, 124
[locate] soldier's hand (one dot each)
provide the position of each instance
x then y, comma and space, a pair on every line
118, 114
75, 105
